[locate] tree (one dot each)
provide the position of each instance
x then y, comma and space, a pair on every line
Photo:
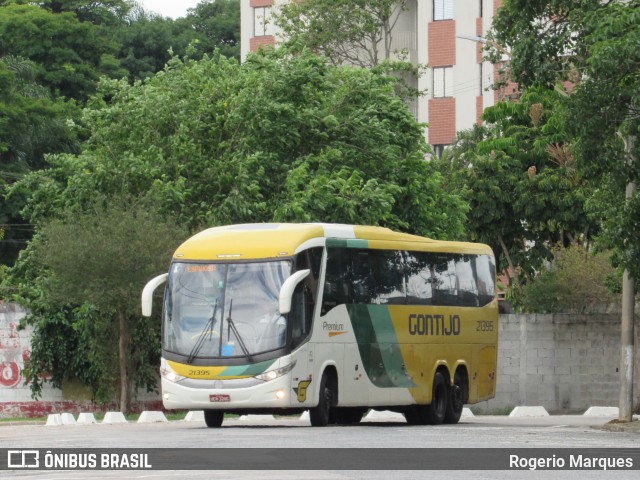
591, 44
347, 32
70, 54
98, 12
217, 25
210, 142
525, 192
577, 281
97, 260
148, 41
32, 124
217, 143
597, 42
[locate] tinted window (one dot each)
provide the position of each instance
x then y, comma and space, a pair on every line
405, 277
388, 277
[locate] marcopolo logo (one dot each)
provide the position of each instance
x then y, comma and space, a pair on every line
23, 459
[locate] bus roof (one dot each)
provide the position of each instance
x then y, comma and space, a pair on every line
278, 240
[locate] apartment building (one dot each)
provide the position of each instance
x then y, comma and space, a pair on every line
446, 35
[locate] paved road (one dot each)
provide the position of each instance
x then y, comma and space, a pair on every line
553, 432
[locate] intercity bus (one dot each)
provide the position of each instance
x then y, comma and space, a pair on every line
327, 318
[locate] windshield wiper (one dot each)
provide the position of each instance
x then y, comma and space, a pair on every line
203, 334
232, 327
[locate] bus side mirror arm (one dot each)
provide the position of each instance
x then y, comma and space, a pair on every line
147, 293
286, 291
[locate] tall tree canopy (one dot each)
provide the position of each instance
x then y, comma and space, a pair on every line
32, 124
279, 138
217, 26
70, 54
594, 45
525, 192
347, 32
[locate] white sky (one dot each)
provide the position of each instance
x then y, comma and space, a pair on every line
169, 8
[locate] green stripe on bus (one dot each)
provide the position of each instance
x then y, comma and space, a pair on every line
390, 351
357, 243
246, 370
347, 243
377, 342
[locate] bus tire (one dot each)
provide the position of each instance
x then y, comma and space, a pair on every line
213, 418
321, 415
437, 410
456, 399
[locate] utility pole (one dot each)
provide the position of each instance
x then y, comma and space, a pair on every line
627, 325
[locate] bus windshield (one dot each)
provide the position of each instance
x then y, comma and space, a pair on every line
216, 310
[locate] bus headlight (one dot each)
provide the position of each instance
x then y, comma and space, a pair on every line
273, 374
168, 373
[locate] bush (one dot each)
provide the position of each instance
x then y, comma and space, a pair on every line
577, 282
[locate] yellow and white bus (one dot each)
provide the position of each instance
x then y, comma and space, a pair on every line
333, 319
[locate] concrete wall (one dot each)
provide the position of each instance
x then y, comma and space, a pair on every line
564, 362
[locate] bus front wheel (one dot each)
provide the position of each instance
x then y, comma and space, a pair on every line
213, 418
321, 414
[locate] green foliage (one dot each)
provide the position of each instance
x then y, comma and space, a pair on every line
593, 45
78, 275
32, 123
67, 51
282, 137
347, 32
521, 180
577, 282
217, 26
545, 38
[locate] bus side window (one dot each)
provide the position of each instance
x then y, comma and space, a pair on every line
337, 282
387, 267
301, 313
361, 277
444, 276
466, 282
419, 274
485, 271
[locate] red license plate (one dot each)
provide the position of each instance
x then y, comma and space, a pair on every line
219, 398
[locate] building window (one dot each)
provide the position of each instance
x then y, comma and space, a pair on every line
262, 22
438, 150
480, 8
442, 9
480, 76
443, 82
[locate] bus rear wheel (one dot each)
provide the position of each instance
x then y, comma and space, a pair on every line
456, 400
434, 413
437, 410
321, 415
213, 418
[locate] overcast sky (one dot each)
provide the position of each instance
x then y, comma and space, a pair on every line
169, 8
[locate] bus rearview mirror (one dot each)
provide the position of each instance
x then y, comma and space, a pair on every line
147, 293
286, 291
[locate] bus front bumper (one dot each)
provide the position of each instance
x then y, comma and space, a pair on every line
272, 394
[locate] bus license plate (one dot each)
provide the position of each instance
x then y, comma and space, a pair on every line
219, 398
